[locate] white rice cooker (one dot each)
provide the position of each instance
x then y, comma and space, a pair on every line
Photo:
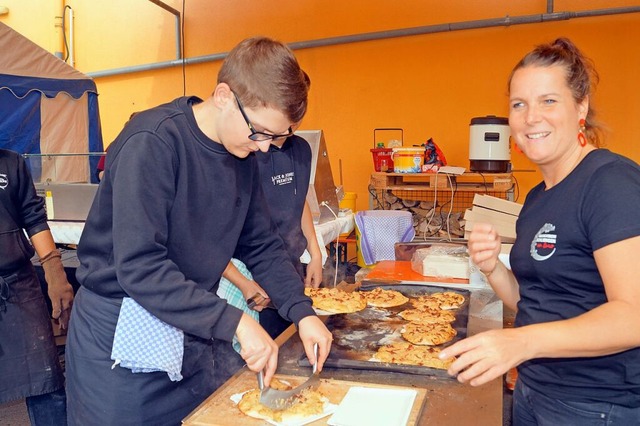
489, 148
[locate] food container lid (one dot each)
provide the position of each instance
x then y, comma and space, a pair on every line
490, 119
409, 150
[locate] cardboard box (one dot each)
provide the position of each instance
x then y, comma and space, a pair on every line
497, 204
502, 214
504, 228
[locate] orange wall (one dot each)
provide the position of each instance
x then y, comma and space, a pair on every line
430, 85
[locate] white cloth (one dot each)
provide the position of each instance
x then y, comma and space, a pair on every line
380, 230
328, 231
144, 343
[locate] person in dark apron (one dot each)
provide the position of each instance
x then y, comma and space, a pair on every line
179, 198
29, 364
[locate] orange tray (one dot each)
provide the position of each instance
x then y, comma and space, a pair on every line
400, 270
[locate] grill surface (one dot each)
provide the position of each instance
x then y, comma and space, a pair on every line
358, 336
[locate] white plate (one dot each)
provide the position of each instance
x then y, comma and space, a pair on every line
374, 407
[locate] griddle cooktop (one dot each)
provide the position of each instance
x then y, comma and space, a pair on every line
357, 336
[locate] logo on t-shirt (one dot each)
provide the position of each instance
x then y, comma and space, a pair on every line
4, 181
282, 179
544, 243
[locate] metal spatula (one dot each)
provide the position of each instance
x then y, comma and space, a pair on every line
281, 400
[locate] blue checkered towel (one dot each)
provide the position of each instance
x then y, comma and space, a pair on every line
227, 290
380, 230
144, 343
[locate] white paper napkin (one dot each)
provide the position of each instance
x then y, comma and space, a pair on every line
374, 407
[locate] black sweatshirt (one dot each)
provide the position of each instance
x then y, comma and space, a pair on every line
172, 209
285, 174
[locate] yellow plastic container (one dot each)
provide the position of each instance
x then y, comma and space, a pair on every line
408, 160
349, 201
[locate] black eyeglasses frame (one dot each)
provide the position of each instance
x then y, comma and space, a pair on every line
255, 135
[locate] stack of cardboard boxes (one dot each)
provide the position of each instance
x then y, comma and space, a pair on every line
502, 214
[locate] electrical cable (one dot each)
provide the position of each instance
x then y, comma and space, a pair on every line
374, 194
64, 31
516, 185
450, 208
454, 188
484, 182
335, 276
433, 210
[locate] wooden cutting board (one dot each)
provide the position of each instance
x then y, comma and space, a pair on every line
219, 410
400, 270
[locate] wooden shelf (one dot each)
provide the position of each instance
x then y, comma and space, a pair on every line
467, 182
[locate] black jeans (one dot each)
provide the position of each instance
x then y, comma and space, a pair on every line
532, 408
49, 409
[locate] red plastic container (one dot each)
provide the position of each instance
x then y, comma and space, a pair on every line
382, 157
380, 154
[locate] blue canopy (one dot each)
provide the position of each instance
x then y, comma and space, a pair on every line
47, 107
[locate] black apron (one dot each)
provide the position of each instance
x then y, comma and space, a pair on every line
100, 395
29, 364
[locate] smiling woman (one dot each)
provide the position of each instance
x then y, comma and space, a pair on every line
549, 109
574, 273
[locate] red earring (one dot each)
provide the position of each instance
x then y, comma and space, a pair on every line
582, 139
516, 148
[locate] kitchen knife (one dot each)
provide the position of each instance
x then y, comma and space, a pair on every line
281, 400
258, 299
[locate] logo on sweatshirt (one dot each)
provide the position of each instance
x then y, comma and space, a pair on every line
544, 243
4, 181
282, 179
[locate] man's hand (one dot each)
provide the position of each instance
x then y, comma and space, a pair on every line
252, 290
258, 349
59, 289
312, 330
314, 273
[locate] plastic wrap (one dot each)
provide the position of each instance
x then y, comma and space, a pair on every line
445, 261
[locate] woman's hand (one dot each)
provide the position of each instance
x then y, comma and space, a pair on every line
485, 356
484, 247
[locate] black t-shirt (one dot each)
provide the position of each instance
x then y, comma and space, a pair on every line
558, 230
20, 209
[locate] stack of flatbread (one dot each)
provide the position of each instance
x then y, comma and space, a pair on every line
428, 321
429, 325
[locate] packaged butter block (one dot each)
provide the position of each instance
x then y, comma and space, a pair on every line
446, 261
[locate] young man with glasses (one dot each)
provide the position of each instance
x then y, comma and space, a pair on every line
285, 172
179, 198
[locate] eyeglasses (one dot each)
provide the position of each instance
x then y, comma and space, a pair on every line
255, 135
